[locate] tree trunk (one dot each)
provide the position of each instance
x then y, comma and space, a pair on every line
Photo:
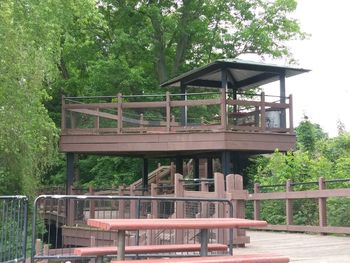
159, 47
183, 37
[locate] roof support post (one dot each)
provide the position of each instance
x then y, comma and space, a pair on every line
179, 165
283, 98
224, 86
145, 175
210, 173
226, 162
184, 109
70, 172
196, 172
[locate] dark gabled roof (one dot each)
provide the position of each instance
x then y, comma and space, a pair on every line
241, 74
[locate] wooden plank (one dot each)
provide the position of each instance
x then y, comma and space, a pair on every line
244, 128
196, 128
96, 113
243, 103
91, 106
181, 103
312, 229
138, 105
301, 194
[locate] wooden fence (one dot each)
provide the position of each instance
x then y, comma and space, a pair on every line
288, 196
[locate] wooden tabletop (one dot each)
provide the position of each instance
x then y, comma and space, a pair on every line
174, 223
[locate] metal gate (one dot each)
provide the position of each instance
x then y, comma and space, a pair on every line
13, 228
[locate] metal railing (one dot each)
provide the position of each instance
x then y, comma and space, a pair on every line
66, 216
13, 228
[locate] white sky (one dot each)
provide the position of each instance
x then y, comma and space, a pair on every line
324, 93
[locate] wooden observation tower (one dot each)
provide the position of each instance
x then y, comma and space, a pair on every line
212, 115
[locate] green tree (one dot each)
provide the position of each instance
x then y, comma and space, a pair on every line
132, 46
308, 135
27, 134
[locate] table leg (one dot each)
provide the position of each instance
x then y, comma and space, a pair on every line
121, 245
204, 242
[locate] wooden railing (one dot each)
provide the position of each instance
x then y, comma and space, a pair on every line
173, 113
289, 196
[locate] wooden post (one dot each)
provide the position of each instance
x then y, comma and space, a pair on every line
179, 165
223, 109
133, 203
149, 233
179, 206
93, 244
289, 204
154, 203
121, 203
71, 208
92, 203
37, 247
263, 112
234, 183
256, 202
219, 183
141, 123
168, 110
45, 253
210, 167
97, 120
256, 117
63, 114
196, 171
291, 128
322, 204
172, 173
120, 113
283, 99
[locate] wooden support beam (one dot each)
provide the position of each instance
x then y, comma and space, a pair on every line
289, 204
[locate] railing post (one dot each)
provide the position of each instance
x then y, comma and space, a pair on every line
97, 120
154, 203
256, 202
120, 113
263, 112
322, 204
141, 123
179, 206
92, 202
172, 173
289, 204
121, 203
291, 124
234, 183
223, 109
168, 117
219, 188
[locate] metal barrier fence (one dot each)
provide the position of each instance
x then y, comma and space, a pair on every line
65, 217
13, 228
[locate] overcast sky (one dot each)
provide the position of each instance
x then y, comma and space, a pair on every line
324, 93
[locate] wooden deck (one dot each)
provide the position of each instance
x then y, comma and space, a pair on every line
170, 126
300, 247
170, 143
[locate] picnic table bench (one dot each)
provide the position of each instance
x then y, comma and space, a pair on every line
253, 258
99, 252
203, 224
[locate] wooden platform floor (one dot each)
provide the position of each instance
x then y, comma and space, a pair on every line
306, 248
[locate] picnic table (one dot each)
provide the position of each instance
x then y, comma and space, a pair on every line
203, 224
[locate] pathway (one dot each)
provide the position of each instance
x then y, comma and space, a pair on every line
300, 247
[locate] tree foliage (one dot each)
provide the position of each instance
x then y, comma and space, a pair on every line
317, 156
102, 47
27, 134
